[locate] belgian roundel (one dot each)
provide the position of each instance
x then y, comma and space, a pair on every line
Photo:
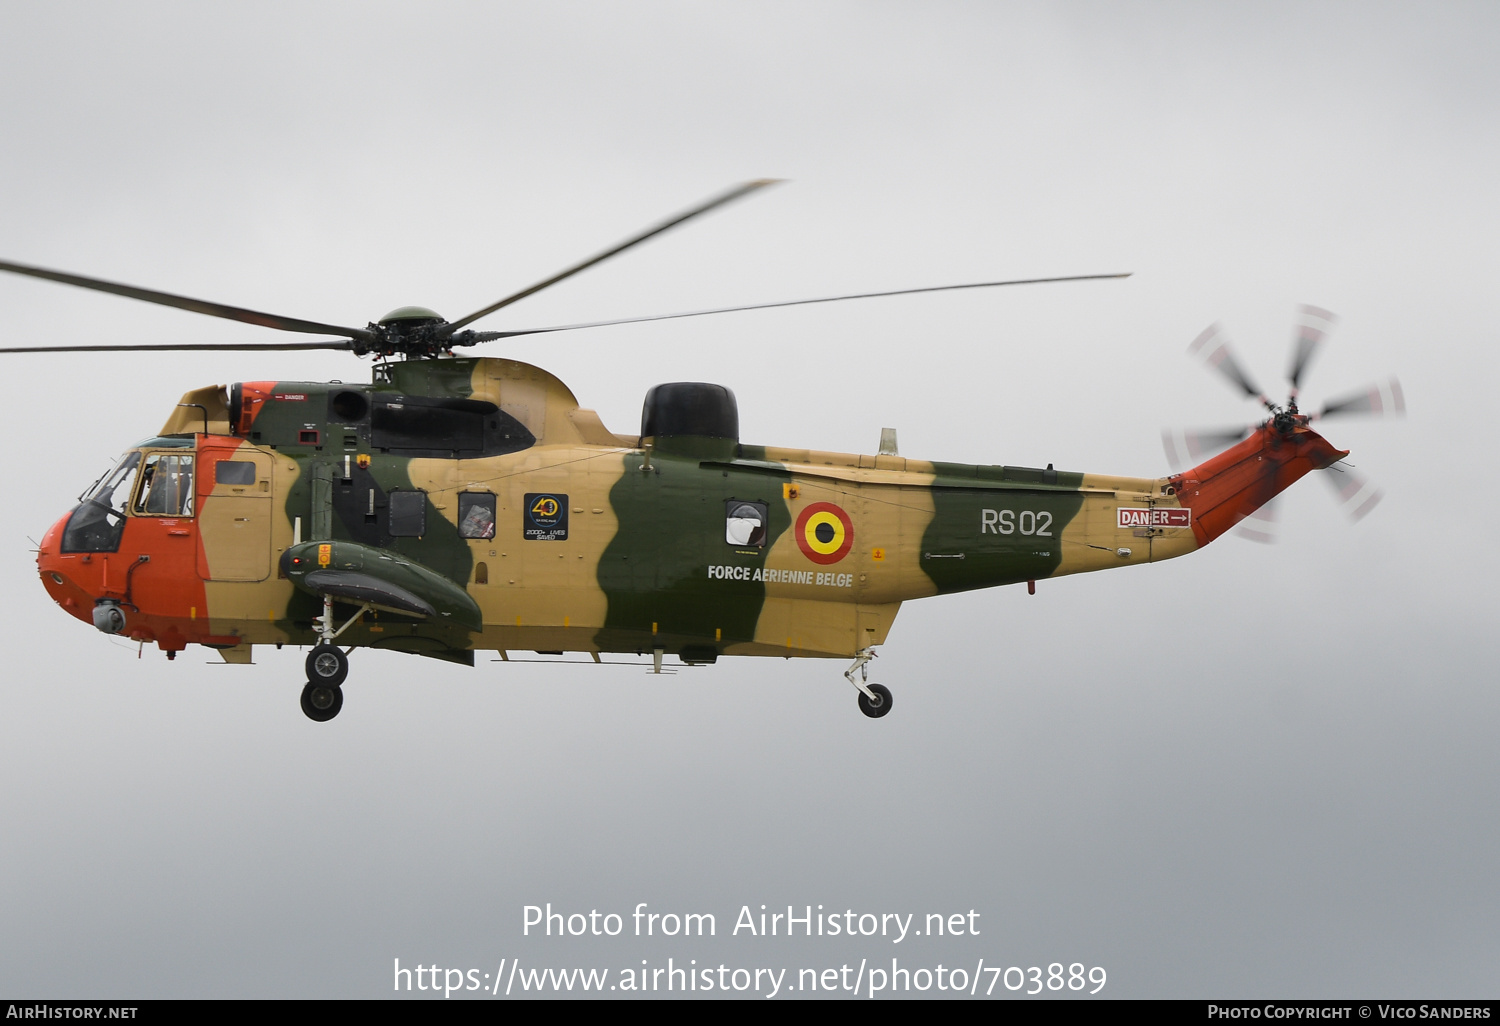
824, 533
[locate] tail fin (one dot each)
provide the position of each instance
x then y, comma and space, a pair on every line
1226, 489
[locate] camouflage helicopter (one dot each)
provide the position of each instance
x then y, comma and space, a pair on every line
459, 504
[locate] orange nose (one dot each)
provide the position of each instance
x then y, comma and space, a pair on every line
64, 575
47, 555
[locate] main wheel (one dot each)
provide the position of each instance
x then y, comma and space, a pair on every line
881, 704
327, 665
322, 702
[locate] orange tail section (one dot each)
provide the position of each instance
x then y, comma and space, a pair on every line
1226, 489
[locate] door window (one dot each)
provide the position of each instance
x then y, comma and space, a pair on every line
166, 488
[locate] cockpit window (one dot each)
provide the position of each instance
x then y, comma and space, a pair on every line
166, 486
114, 488
99, 520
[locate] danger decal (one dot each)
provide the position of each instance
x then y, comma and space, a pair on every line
1136, 516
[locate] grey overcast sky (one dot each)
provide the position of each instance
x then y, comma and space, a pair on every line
1258, 771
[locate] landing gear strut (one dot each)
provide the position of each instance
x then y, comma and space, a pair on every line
874, 699
327, 666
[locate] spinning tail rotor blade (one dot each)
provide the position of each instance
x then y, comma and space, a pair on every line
203, 306
1260, 526
1213, 348
1357, 495
1187, 447
1313, 326
1383, 400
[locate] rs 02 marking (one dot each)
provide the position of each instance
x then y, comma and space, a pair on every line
1009, 521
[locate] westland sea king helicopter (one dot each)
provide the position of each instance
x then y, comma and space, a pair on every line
461, 504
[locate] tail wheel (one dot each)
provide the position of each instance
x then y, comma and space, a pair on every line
322, 702
880, 705
327, 665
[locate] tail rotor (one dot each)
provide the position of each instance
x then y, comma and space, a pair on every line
1190, 447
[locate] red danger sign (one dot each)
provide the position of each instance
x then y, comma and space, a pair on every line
1135, 516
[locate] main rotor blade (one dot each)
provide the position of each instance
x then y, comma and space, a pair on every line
1356, 494
1382, 400
229, 347
801, 302
233, 313
1213, 348
1313, 326
672, 222
1187, 447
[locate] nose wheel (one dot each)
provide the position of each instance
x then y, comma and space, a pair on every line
322, 702
327, 667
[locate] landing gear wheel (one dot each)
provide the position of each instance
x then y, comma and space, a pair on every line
327, 665
322, 702
880, 706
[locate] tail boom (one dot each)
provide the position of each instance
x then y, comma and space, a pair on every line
1226, 489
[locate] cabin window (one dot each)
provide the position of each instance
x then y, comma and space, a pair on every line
476, 515
408, 513
234, 472
481, 573
745, 524
166, 488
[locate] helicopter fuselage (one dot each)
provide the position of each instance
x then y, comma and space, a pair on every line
464, 505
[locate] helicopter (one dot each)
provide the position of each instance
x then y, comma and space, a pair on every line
459, 504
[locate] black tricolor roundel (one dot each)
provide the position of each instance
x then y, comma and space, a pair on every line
824, 533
